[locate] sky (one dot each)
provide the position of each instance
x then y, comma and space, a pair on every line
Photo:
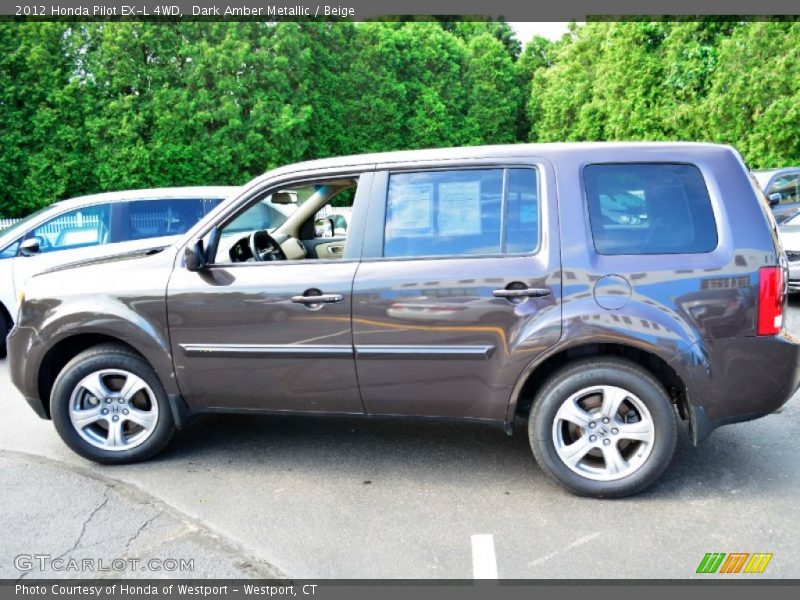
526, 30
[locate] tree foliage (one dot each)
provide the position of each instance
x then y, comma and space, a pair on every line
88, 107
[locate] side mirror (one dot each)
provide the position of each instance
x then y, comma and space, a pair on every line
774, 199
30, 247
195, 257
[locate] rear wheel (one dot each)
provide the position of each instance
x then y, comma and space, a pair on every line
109, 406
603, 427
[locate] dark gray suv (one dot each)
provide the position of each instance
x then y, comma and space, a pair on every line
599, 290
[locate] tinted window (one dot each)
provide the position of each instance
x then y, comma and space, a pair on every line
447, 213
88, 226
160, 218
649, 209
211, 203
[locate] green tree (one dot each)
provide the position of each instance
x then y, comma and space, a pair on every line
754, 100
494, 100
42, 108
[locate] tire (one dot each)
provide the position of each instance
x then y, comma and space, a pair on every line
124, 388
3, 335
612, 453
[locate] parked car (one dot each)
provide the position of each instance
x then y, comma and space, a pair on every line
598, 332
782, 188
94, 226
789, 234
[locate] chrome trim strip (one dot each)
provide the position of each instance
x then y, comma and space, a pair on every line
261, 350
425, 352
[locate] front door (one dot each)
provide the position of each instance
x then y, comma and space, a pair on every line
461, 291
273, 334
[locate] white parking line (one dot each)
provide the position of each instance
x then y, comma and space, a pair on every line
484, 561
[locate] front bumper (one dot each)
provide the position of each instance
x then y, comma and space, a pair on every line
25, 352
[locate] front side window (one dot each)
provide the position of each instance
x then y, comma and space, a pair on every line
649, 208
79, 228
455, 213
295, 218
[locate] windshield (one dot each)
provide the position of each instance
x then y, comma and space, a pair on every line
19, 226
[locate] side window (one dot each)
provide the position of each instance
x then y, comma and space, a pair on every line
452, 213
649, 208
82, 227
788, 187
160, 218
297, 216
210, 204
522, 212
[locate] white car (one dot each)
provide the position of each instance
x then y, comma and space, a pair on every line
92, 226
789, 233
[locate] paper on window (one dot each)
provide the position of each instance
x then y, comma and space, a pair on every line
412, 207
460, 208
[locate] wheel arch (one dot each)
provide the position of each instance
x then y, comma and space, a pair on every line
534, 376
63, 351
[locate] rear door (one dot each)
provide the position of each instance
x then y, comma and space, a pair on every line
459, 288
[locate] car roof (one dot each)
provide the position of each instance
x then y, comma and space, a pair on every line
627, 151
190, 192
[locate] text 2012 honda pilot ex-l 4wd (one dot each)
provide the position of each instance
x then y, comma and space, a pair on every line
602, 290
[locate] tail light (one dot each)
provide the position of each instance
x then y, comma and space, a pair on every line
770, 300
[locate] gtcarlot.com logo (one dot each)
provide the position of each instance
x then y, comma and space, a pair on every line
735, 562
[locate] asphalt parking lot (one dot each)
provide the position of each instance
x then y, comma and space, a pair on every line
351, 498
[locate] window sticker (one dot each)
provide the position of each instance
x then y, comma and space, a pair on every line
412, 208
460, 208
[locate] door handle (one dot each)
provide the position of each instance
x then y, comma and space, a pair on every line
335, 249
318, 299
521, 293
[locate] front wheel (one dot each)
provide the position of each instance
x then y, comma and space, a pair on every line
109, 406
603, 427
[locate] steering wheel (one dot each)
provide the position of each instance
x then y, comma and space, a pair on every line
265, 248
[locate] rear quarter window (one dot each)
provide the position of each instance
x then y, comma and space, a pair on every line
649, 208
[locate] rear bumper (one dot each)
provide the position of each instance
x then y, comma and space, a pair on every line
741, 379
25, 352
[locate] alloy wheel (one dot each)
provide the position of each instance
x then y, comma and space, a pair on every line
603, 433
113, 409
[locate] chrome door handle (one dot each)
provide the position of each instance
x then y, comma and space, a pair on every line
521, 293
319, 299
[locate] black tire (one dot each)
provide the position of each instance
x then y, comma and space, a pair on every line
3, 334
109, 356
586, 373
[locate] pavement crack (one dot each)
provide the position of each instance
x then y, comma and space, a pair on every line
140, 530
84, 525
